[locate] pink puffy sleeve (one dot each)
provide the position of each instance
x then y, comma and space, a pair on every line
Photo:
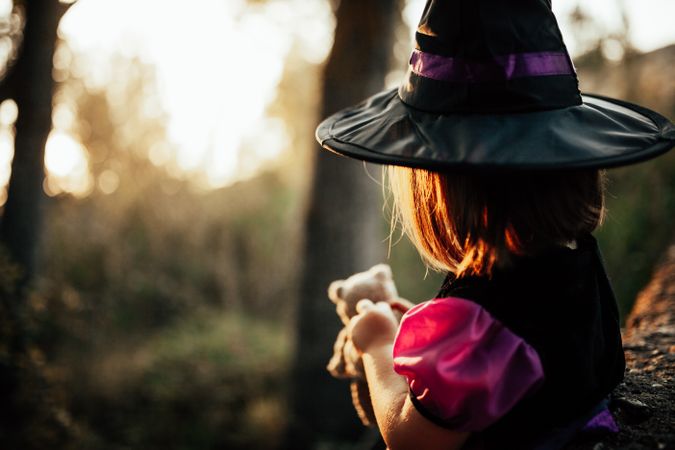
464, 368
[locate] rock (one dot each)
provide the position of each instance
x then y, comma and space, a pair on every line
631, 408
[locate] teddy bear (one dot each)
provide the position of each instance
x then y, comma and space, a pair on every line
377, 285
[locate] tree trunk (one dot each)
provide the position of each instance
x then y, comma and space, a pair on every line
344, 227
33, 88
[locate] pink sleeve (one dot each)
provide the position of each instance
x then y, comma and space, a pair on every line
465, 369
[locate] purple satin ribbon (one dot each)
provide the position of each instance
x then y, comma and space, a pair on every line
506, 67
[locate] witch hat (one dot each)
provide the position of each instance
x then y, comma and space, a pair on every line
490, 85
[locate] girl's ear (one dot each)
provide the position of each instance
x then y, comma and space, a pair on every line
382, 272
335, 291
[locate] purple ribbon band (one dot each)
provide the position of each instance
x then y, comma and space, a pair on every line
506, 67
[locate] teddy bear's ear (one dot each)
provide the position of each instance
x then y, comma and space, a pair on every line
382, 272
335, 290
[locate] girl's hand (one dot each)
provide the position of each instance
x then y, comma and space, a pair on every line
374, 324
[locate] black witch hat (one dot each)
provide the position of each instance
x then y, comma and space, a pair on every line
490, 85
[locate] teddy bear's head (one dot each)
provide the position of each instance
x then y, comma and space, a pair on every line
376, 284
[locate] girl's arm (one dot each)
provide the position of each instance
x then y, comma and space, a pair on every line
401, 425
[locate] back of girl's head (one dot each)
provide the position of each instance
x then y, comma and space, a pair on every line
466, 223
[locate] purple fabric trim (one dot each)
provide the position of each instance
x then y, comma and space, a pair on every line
603, 422
506, 67
463, 366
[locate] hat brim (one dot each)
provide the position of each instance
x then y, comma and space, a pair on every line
599, 133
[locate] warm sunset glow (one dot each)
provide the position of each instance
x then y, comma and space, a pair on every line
6, 154
8, 115
66, 164
218, 64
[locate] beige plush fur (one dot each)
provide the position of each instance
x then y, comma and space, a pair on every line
377, 285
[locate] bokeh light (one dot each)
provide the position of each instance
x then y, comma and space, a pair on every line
217, 69
66, 164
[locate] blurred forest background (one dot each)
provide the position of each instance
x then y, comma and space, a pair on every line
154, 299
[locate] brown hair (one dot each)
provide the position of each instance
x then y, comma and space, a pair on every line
465, 223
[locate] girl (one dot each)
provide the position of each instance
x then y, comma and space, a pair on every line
526, 319
496, 160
